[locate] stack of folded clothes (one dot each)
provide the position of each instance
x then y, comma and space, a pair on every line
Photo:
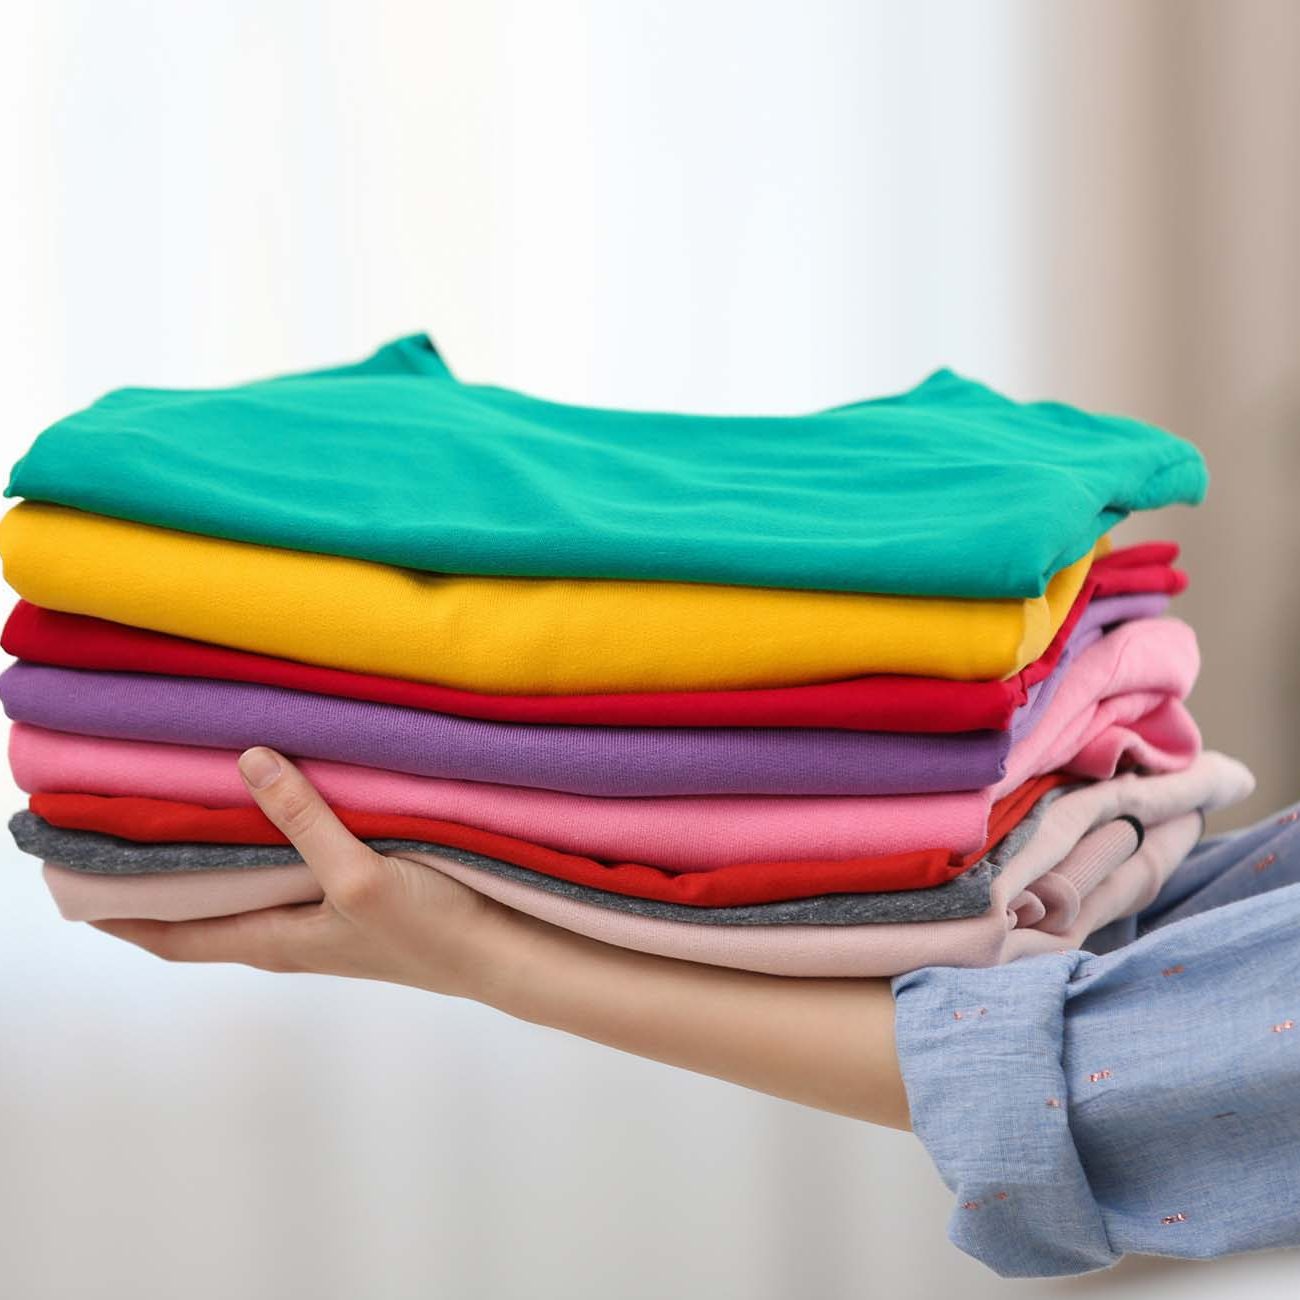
839, 694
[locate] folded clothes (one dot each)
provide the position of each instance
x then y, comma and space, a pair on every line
1224, 870
394, 460
1100, 853
1053, 901
515, 635
126, 874
611, 761
1133, 582
175, 824
683, 833
1150, 662
1137, 672
239, 878
168, 822
1077, 829
224, 891
879, 950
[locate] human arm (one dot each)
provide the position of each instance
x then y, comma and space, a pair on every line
823, 1043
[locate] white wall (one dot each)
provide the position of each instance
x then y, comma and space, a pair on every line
716, 206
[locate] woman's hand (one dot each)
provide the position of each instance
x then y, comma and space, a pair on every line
825, 1043
382, 918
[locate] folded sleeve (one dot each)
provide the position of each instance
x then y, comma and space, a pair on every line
1082, 1107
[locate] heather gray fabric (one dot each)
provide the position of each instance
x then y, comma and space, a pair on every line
967, 895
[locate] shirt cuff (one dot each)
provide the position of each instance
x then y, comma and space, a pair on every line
980, 1052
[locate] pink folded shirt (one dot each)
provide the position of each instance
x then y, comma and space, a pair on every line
1121, 699
1053, 901
679, 832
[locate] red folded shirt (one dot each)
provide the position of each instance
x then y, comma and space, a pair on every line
876, 703
165, 821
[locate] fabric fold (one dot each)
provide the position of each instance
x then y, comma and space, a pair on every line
1057, 897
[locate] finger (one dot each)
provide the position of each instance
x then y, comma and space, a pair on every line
269, 939
343, 866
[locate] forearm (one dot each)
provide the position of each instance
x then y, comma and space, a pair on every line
824, 1043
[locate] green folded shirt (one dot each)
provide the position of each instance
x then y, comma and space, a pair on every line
949, 489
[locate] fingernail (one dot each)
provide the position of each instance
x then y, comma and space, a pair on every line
259, 766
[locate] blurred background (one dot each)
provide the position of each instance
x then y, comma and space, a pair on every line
711, 205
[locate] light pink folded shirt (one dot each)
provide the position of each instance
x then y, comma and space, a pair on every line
1052, 902
180, 896
1121, 699
856, 951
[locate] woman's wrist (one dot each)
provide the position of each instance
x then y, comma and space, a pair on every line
823, 1043
521, 967
504, 965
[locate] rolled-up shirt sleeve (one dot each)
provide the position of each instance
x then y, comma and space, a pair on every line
1081, 1107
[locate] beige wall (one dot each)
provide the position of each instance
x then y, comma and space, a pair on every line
1167, 285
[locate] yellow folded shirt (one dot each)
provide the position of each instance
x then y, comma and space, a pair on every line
510, 635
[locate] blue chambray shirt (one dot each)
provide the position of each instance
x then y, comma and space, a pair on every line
1142, 1097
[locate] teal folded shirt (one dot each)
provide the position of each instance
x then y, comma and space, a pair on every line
949, 489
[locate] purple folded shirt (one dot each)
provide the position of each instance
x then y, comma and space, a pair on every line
613, 761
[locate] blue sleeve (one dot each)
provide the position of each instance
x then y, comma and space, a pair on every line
1081, 1107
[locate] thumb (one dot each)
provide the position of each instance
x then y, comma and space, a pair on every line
343, 866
